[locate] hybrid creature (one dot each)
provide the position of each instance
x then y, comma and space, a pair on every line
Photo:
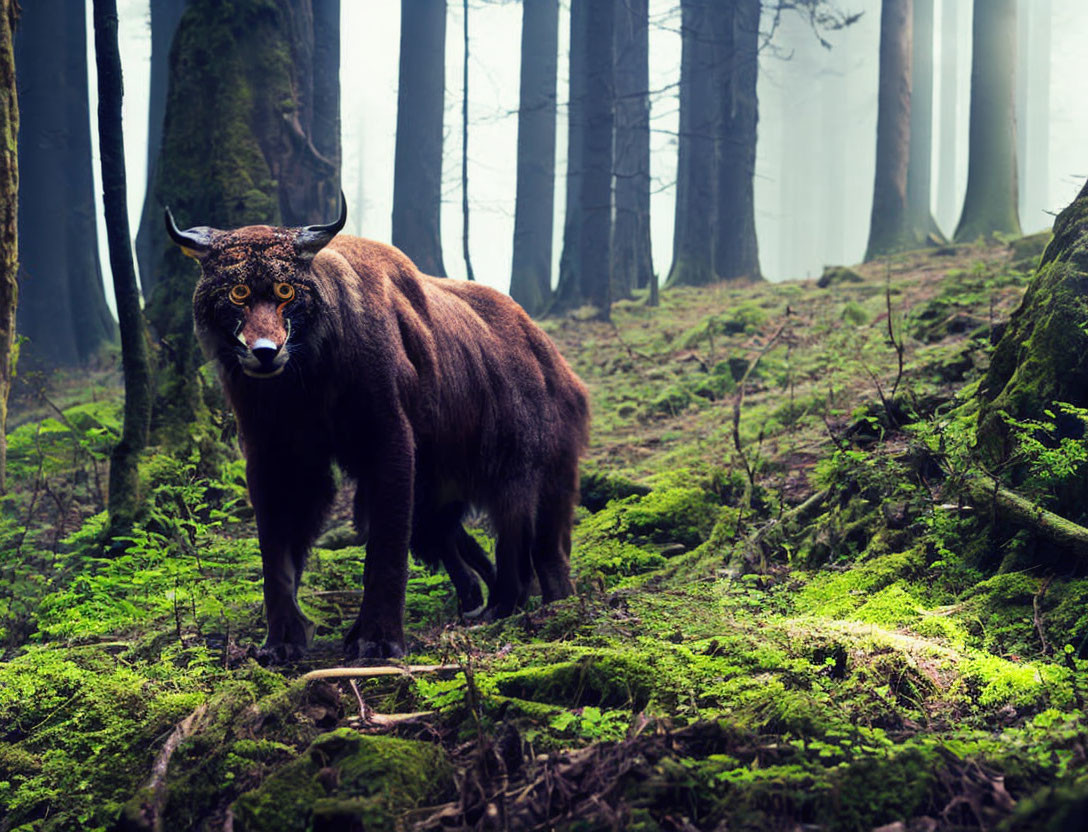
432, 394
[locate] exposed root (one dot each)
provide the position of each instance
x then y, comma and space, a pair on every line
149, 815
1022, 511
367, 672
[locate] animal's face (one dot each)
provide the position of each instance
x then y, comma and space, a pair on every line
256, 294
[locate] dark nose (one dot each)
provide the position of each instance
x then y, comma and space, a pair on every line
265, 352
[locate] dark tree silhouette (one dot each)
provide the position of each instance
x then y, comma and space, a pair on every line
124, 482
568, 290
417, 175
9, 226
735, 29
991, 201
692, 260
165, 15
889, 226
531, 272
632, 266
62, 306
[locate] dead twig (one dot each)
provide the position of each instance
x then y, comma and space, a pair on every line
1037, 615
367, 672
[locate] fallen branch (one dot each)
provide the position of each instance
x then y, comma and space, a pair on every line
742, 555
367, 672
1023, 512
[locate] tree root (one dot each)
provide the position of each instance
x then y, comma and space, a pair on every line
368, 672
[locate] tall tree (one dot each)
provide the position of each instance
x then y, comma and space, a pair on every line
165, 15
464, 147
889, 225
991, 201
241, 139
417, 174
568, 290
531, 271
692, 258
9, 226
596, 193
735, 29
632, 266
919, 166
1033, 112
62, 307
124, 482
946, 149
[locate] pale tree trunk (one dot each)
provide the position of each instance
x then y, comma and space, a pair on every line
469, 273
124, 482
631, 261
919, 174
165, 15
531, 271
695, 169
889, 225
736, 39
9, 227
1033, 113
991, 202
946, 166
417, 175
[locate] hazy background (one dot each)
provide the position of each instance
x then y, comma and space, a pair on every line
817, 131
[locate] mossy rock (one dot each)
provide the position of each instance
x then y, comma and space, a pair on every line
598, 488
681, 514
604, 679
1042, 357
347, 778
837, 275
1026, 250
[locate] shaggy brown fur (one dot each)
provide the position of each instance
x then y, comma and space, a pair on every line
434, 394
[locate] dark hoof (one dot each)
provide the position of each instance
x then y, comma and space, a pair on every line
378, 649
472, 602
272, 654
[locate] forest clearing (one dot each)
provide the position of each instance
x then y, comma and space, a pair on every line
819, 625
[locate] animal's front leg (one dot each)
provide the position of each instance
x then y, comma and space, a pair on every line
378, 632
289, 499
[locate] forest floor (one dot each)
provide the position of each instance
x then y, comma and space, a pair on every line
790, 614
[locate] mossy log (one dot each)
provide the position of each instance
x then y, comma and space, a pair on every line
1066, 534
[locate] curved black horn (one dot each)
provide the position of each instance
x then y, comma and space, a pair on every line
315, 237
195, 240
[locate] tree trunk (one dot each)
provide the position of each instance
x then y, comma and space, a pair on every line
692, 260
124, 482
165, 15
568, 292
922, 224
889, 225
417, 175
946, 181
631, 262
325, 124
991, 201
469, 273
531, 272
735, 31
63, 307
596, 194
9, 227
1033, 113
240, 146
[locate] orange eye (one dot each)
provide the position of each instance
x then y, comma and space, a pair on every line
239, 293
284, 291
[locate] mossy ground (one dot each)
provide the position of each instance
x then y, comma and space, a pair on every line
726, 663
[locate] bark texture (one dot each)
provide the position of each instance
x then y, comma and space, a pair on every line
240, 146
531, 271
692, 259
735, 28
417, 175
568, 291
165, 15
889, 224
632, 266
991, 201
124, 481
63, 307
9, 226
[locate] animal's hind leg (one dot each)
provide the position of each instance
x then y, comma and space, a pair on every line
513, 568
437, 538
551, 544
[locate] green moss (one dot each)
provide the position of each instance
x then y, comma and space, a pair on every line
679, 514
347, 777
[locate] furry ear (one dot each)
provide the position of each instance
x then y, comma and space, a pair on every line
195, 242
311, 239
